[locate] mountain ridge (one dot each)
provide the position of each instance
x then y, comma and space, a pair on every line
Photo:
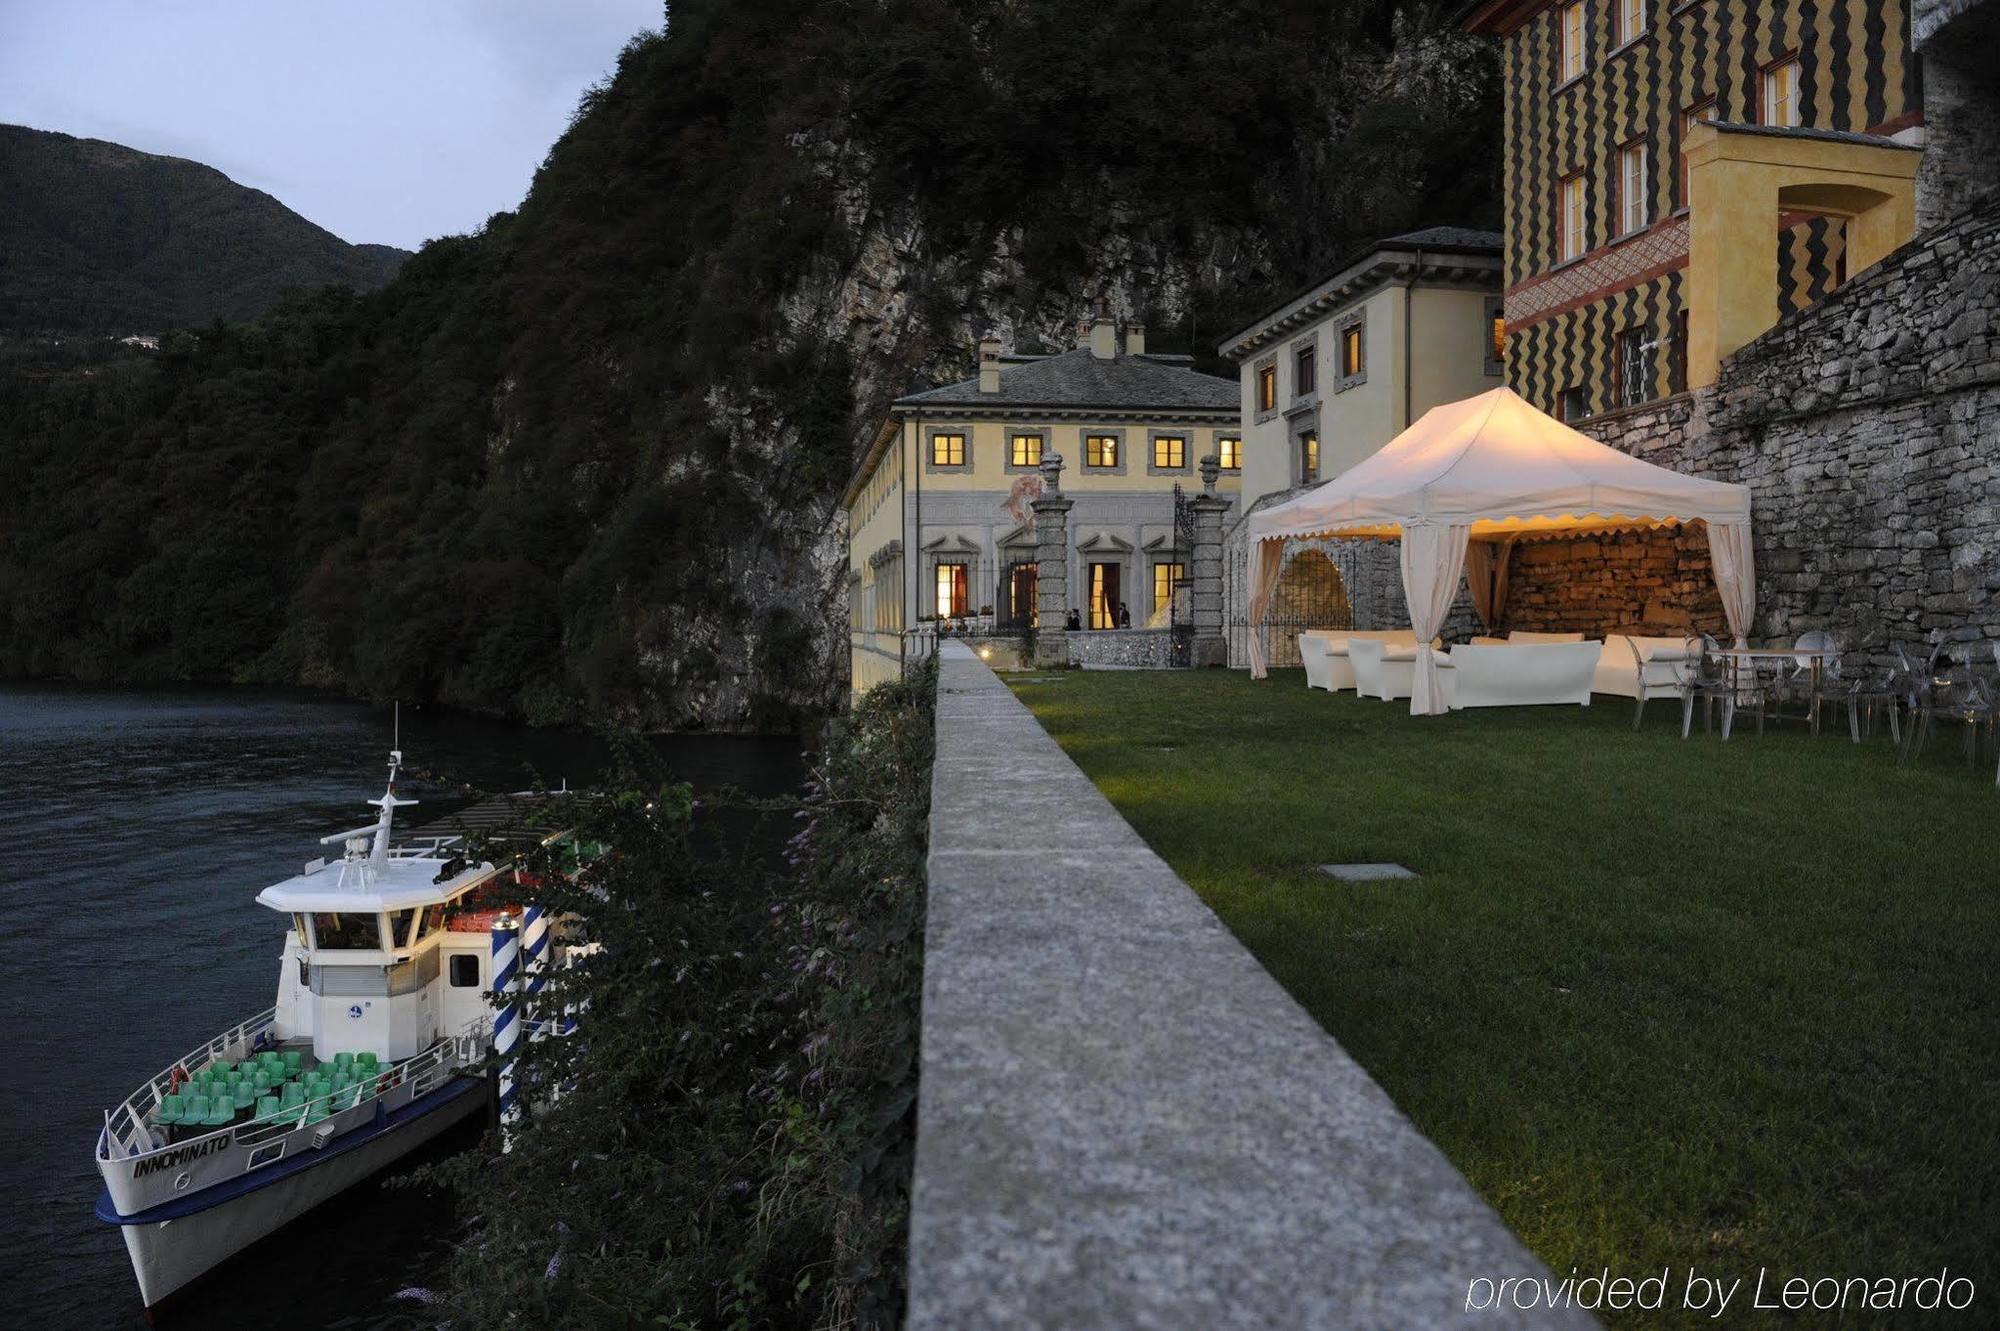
98, 237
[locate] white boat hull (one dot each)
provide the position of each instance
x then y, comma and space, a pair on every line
170, 1254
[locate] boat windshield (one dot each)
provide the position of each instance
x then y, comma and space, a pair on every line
400, 933
361, 933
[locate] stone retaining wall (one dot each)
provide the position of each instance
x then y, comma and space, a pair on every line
1124, 1121
1136, 649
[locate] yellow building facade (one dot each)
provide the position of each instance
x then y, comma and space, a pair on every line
940, 523
1681, 175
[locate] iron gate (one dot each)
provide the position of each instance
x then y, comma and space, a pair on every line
1316, 590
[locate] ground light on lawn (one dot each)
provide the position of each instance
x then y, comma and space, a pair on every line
1691, 1005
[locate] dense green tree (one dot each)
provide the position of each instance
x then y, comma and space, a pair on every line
585, 460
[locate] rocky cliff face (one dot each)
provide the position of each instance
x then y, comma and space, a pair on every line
586, 464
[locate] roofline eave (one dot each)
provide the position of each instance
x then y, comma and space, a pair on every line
1375, 270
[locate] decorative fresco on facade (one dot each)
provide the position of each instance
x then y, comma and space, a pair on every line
1600, 328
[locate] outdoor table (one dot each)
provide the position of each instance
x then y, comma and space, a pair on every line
1735, 658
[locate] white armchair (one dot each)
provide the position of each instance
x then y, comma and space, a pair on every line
1388, 670
1331, 646
1313, 656
1643, 668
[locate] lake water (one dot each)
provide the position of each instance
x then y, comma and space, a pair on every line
135, 831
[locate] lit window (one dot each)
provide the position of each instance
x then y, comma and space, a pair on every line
1105, 602
1571, 19
1023, 592
1169, 452
1569, 218
951, 590
1496, 336
1304, 372
1308, 457
1100, 450
1632, 367
1025, 450
1267, 388
1229, 452
947, 450
1632, 209
1631, 20
1166, 577
1353, 353
1691, 117
1781, 94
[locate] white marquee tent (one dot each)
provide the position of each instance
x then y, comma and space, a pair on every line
1494, 466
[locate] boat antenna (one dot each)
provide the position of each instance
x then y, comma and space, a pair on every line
379, 852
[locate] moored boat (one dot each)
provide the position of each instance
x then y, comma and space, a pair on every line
377, 1043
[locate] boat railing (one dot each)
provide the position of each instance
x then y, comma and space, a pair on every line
125, 1127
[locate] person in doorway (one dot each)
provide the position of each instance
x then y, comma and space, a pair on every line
1074, 622
1124, 616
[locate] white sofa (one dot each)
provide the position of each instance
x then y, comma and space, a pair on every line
1325, 655
1524, 674
1387, 670
1520, 639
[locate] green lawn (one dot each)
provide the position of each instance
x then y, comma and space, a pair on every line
1666, 1004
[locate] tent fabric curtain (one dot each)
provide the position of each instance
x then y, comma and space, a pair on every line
1735, 566
1486, 578
1269, 558
1433, 558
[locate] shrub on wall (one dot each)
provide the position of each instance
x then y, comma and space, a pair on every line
726, 1139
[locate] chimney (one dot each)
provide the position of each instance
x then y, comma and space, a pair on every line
1135, 339
1103, 332
989, 364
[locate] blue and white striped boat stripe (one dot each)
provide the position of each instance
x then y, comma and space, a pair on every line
506, 1019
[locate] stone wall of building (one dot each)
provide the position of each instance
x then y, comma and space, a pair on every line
1132, 649
1959, 41
1868, 431
1656, 583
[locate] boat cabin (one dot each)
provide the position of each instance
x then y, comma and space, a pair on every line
390, 947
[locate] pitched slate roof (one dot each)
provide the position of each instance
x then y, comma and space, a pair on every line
1077, 379
1456, 237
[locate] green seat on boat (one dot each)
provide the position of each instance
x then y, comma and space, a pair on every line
317, 1111
291, 1059
169, 1112
293, 1095
244, 1093
194, 1110
267, 1108
367, 1059
343, 1060
221, 1110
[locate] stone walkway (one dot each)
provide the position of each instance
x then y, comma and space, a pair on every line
1124, 1122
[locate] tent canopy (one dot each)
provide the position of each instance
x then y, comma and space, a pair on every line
1499, 466
1493, 466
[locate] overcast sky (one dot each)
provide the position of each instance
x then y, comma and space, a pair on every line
382, 120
